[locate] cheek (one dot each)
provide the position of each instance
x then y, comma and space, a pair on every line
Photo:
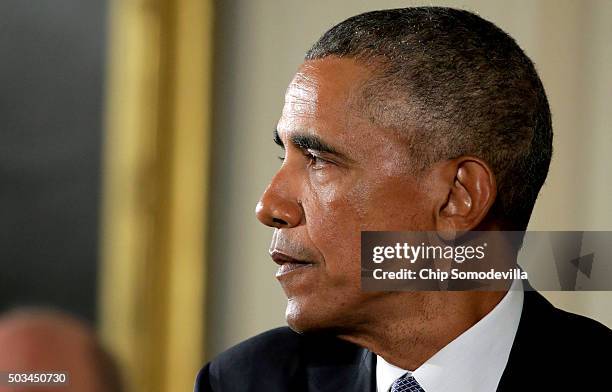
337, 213
394, 203
334, 220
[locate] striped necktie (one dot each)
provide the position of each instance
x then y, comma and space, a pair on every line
406, 383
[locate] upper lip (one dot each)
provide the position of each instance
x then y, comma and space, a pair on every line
281, 258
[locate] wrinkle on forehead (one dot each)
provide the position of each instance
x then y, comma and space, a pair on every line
325, 86
302, 95
326, 96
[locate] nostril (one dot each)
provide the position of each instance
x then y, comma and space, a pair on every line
279, 221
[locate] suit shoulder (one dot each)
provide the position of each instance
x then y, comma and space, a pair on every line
273, 343
563, 333
582, 330
277, 360
269, 359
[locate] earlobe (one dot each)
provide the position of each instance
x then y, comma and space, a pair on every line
469, 197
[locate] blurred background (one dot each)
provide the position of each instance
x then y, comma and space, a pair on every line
136, 140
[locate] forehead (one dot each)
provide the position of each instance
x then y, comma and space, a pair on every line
324, 94
325, 85
325, 98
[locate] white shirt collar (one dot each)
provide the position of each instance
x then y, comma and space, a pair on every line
474, 361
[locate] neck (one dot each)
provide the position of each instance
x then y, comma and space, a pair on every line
408, 328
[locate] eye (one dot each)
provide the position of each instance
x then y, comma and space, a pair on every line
314, 161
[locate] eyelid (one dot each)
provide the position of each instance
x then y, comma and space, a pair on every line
311, 155
320, 155
315, 158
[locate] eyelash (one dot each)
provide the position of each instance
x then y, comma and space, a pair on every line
312, 159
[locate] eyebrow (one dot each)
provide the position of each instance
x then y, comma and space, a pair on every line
308, 142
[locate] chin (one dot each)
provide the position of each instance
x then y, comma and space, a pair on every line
315, 314
304, 318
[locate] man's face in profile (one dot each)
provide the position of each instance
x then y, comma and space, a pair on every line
341, 174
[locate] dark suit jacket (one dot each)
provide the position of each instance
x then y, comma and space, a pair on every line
553, 351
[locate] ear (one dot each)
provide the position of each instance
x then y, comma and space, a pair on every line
470, 193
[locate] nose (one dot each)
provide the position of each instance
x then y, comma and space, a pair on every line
277, 207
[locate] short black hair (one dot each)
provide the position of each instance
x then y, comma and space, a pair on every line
462, 85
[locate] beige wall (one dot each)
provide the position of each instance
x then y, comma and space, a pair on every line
261, 43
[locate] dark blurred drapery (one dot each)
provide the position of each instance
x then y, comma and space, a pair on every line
51, 93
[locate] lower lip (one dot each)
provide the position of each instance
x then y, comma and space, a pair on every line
288, 268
